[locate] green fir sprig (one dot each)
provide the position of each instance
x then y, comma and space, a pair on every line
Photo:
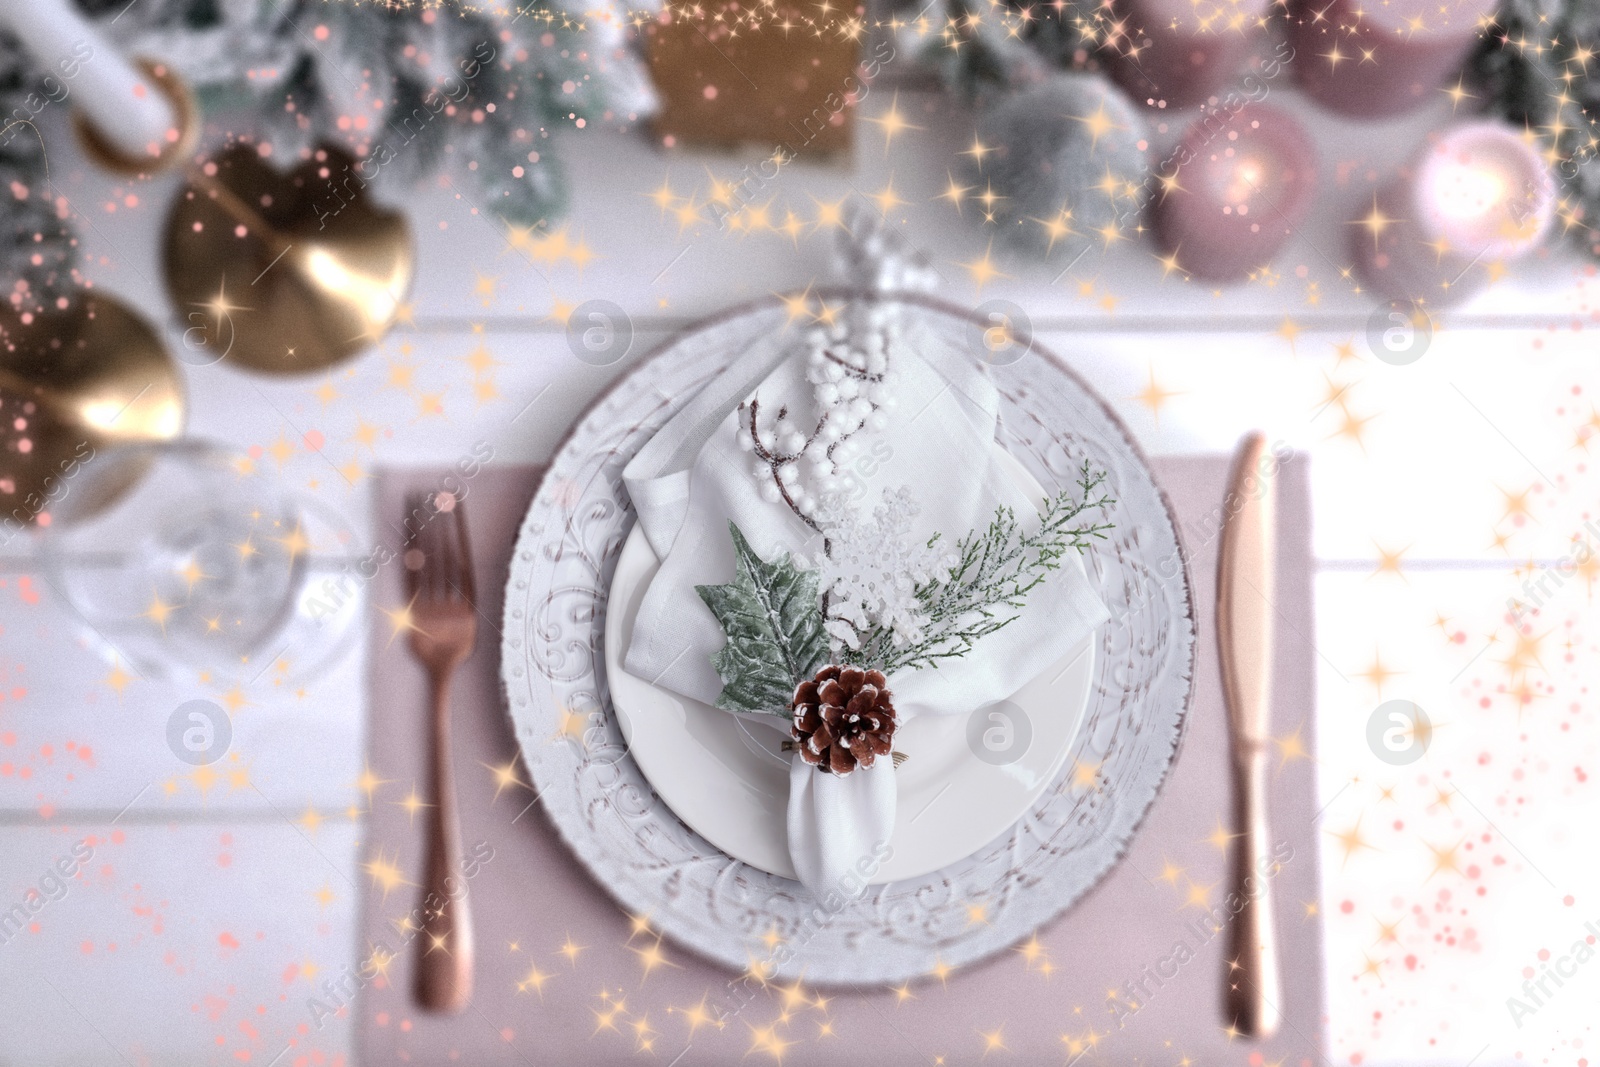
1534, 66
993, 574
772, 614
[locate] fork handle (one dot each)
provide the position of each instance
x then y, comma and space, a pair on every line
444, 966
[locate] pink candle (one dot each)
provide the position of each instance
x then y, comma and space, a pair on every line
1234, 190
1180, 52
1478, 197
1373, 58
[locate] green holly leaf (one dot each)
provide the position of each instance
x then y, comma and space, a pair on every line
773, 623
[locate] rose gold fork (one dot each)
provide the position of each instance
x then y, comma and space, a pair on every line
438, 569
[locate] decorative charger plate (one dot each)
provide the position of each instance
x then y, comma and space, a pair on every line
553, 668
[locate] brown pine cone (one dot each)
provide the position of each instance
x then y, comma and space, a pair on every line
843, 718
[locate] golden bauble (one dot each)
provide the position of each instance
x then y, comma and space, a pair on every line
283, 273
76, 383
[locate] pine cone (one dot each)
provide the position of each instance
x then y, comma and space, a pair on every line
843, 718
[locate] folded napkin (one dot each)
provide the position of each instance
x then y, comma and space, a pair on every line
938, 440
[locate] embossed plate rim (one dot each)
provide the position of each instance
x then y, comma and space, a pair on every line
719, 908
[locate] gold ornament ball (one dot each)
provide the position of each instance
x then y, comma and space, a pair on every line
76, 383
283, 273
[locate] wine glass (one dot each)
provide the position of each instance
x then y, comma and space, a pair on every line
185, 558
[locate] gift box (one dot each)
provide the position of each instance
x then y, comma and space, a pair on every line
782, 76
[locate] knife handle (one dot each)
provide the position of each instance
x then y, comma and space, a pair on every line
1254, 992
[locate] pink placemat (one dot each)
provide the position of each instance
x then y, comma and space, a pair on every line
564, 977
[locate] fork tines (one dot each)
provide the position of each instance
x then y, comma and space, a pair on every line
438, 556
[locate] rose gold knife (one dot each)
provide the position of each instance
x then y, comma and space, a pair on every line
1245, 604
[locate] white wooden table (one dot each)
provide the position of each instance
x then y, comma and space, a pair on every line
215, 904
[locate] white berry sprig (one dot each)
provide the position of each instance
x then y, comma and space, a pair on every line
849, 373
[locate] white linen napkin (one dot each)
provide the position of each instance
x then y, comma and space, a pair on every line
839, 826
692, 478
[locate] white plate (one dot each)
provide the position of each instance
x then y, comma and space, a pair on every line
724, 775
558, 689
